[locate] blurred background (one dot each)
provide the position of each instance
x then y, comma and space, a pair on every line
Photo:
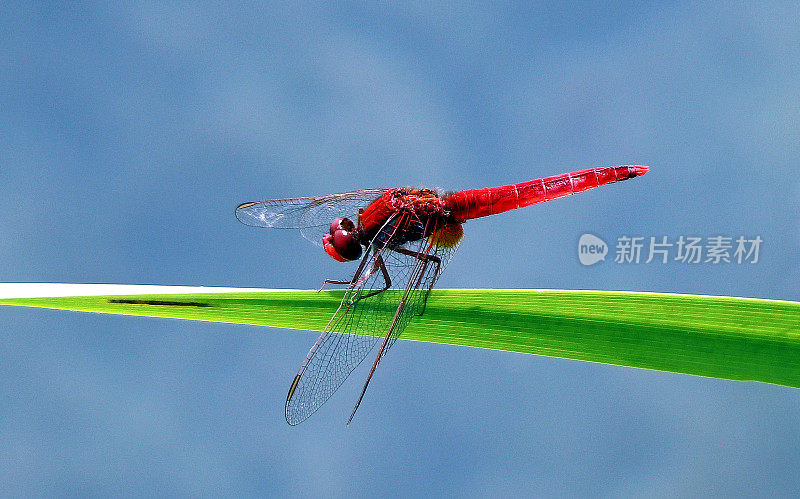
128, 135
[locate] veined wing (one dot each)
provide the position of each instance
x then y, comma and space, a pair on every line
390, 288
418, 265
312, 215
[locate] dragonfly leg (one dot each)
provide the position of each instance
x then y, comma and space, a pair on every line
351, 283
386, 279
378, 358
331, 281
426, 259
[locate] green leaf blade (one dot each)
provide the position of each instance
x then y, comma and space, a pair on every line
721, 337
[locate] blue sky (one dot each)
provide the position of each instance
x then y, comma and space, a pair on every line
129, 134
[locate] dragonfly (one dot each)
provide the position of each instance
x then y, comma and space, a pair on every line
403, 238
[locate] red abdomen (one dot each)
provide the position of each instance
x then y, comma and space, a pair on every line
476, 203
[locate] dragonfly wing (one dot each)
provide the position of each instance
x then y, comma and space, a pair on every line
358, 324
418, 265
365, 316
312, 215
429, 257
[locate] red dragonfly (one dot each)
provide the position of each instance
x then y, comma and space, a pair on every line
403, 238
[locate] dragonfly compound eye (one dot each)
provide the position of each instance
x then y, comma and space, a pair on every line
346, 244
327, 243
336, 225
342, 245
342, 223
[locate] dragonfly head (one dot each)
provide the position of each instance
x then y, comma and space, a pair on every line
341, 242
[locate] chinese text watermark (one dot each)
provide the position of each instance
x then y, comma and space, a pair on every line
690, 250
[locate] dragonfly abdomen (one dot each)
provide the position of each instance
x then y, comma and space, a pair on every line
476, 203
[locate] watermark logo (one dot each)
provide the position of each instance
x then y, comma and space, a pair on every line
591, 249
692, 250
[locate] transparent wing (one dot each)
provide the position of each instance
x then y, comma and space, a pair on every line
420, 263
390, 287
312, 215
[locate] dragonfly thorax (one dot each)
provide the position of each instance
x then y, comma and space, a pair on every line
397, 217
